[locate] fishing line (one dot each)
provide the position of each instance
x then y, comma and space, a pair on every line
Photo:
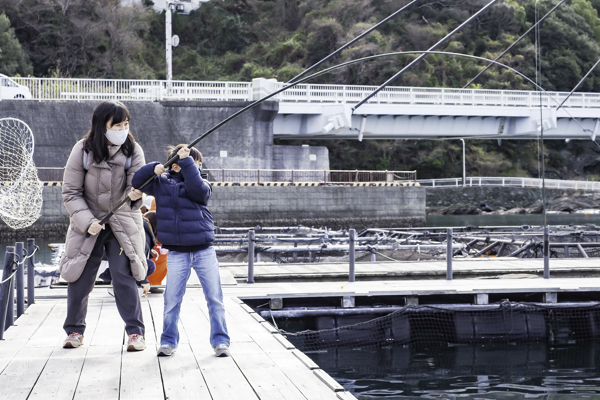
416, 60
515, 42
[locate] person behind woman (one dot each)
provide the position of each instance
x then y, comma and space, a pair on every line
97, 176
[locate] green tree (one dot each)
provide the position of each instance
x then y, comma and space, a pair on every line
13, 60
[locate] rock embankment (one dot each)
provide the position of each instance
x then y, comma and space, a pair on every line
498, 200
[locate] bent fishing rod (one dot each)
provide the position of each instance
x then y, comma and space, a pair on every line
295, 80
174, 159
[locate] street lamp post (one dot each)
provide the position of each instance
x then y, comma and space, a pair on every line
170, 40
464, 176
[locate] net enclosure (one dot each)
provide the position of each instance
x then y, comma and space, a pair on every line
447, 325
20, 187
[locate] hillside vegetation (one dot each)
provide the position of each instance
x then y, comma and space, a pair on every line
243, 39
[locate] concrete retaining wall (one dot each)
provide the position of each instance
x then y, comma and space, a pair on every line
245, 142
335, 207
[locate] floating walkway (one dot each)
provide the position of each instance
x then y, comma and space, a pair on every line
264, 365
33, 364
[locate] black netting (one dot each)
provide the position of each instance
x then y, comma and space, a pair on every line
506, 322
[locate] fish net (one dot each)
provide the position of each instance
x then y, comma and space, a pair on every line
425, 325
20, 187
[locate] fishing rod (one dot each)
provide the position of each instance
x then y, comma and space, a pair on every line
416, 60
515, 42
174, 159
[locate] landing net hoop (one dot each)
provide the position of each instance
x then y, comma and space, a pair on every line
20, 187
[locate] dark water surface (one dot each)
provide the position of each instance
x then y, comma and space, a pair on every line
518, 371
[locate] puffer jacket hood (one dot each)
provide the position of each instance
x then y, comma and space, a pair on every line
182, 215
90, 195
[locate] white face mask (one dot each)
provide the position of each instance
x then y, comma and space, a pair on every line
117, 137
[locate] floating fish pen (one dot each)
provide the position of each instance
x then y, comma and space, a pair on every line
312, 325
304, 244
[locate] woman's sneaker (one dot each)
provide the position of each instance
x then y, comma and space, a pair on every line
166, 350
222, 350
136, 343
73, 340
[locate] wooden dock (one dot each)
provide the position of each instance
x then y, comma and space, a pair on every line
264, 365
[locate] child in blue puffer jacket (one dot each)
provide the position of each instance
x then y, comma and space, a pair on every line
185, 227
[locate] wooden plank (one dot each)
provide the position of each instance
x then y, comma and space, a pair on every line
27, 324
328, 380
17, 336
110, 329
140, 375
101, 374
58, 380
181, 376
50, 333
303, 378
17, 379
264, 376
223, 378
150, 335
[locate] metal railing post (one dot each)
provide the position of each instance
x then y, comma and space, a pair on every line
546, 254
449, 254
5, 290
20, 281
30, 271
250, 256
351, 254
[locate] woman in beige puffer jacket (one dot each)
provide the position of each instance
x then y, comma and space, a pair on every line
93, 184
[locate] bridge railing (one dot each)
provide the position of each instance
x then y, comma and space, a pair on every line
312, 176
155, 90
511, 182
134, 90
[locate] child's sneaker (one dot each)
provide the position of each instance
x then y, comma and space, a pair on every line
136, 343
222, 350
73, 340
166, 350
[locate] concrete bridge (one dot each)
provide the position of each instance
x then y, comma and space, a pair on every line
326, 111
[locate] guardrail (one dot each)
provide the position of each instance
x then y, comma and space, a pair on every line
16, 261
261, 176
510, 182
157, 90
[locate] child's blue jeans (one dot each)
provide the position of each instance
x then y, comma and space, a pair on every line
179, 266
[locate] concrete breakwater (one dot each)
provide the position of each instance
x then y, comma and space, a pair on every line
510, 200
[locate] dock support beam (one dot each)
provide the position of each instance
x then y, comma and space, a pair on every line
546, 254
20, 279
482, 298
351, 254
551, 297
30, 271
348, 301
449, 254
250, 256
411, 301
5, 290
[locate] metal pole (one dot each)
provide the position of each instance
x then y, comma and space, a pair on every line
250, 256
351, 254
169, 42
464, 176
30, 271
449, 254
546, 254
5, 289
20, 280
